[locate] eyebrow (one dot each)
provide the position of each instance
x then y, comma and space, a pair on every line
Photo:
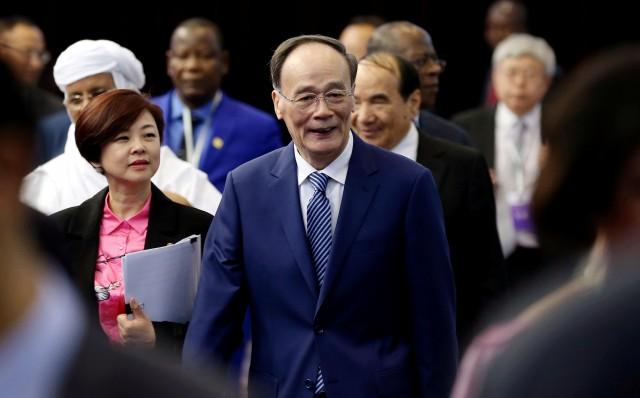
379, 96
330, 86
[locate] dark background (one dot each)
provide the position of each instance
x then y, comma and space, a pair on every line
252, 30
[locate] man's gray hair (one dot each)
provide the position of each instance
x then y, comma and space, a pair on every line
519, 44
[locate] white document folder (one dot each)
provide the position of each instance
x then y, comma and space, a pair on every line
164, 279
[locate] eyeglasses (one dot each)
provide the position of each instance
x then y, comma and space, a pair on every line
429, 59
77, 100
43, 56
305, 101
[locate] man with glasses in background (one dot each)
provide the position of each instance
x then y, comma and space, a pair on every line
414, 44
23, 50
336, 246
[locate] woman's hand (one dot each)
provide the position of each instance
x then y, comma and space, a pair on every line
138, 330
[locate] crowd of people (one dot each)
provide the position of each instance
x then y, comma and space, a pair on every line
382, 252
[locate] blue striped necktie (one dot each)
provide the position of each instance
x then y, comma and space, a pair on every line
320, 236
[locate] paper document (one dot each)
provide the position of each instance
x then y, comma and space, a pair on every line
164, 279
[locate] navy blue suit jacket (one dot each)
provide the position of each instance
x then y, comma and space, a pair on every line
433, 125
244, 131
383, 323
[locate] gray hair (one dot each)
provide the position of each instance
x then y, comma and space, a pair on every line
519, 44
287, 46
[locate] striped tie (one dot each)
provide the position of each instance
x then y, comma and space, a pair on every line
319, 233
319, 224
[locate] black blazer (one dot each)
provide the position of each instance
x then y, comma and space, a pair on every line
481, 125
435, 126
168, 223
466, 193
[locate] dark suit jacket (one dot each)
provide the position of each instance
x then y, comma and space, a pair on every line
100, 370
51, 133
383, 323
433, 125
168, 223
466, 192
481, 125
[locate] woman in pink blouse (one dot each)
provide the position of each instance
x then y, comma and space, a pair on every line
120, 133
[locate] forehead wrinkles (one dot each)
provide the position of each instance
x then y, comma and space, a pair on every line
314, 65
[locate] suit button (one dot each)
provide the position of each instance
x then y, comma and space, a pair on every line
309, 384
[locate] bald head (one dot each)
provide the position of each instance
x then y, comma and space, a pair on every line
414, 44
355, 37
504, 17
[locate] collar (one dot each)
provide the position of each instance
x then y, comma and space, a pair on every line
505, 118
337, 169
139, 221
202, 112
408, 146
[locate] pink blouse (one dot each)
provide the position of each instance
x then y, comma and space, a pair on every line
117, 237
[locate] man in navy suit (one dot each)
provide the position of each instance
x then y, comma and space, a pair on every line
336, 246
205, 126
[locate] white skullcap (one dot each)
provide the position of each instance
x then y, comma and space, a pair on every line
90, 57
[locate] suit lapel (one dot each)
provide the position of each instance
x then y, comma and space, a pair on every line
221, 127
359, 191
287, 200
84, 228
163, 220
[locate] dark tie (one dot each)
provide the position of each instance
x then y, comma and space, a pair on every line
320, 236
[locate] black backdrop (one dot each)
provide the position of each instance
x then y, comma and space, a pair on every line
252, 30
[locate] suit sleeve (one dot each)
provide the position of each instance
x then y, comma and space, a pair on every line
216, 324
431, 290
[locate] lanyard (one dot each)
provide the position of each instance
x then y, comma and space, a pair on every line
193, 154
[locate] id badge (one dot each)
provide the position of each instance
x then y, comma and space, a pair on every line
521, 217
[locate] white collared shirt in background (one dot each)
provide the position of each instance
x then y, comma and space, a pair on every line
508, 192
408, 145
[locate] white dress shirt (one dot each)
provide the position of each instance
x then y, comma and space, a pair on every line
408, 145
516, 172
336, 170
68, 180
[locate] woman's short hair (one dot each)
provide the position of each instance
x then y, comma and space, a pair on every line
108, 115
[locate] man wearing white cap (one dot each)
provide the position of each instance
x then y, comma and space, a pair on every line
83, 71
